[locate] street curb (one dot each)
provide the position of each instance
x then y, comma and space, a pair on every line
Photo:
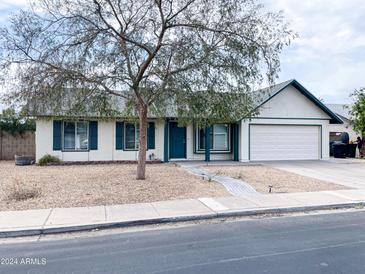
162, 220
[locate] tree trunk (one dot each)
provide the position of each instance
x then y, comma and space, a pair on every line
141, 167
1, 144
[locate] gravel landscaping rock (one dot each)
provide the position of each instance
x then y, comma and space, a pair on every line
260, 177
88, 185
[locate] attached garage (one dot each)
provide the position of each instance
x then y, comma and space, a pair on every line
285, 142
291, 124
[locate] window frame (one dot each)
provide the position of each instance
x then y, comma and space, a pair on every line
125, 137
197, 140
63, 136
135, 128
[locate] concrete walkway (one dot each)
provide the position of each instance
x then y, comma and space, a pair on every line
44, 221
234, 186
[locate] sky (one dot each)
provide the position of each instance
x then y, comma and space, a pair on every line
328, 57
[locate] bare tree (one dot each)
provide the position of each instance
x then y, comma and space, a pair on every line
201, 56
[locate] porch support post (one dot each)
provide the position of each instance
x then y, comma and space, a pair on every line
166, 142
207, 144
235, 140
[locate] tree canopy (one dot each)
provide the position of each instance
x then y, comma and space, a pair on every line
197, 57
15, 123
358, 111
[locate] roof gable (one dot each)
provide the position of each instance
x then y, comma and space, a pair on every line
277, 89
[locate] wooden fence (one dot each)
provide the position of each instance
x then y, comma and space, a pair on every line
18, 144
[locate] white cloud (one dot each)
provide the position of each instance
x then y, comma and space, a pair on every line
328, 56
8, 4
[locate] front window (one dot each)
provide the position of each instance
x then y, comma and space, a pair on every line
131, 136
75, 136
219, 138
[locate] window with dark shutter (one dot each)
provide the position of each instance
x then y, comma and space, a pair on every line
57, 135
119, 135
151, 135
93, 135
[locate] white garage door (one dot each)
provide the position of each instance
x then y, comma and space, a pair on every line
289, 142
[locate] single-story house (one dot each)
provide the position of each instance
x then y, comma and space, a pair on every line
343, 112
292, 125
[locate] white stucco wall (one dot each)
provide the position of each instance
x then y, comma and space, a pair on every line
291, 103
106, 144
288, 107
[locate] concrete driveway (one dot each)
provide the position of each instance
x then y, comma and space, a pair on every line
347, 172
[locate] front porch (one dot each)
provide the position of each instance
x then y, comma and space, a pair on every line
218, 142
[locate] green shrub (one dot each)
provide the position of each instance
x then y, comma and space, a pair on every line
47, 159
15, 123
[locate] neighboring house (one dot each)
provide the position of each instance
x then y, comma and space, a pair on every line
292, 125
343, 112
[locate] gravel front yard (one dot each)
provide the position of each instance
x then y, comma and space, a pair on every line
260, 177
73, 186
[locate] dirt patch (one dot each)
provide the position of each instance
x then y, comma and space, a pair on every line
88, 185
260, 177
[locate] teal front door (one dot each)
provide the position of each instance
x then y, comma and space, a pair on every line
177, 141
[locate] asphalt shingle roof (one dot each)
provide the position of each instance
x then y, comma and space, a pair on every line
261, 96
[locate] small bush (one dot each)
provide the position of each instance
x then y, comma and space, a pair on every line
20, 192
48, 159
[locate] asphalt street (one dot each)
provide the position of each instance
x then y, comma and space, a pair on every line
331, 243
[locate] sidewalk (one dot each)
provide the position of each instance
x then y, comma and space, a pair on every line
55, 220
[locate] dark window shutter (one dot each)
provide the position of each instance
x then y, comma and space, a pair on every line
151, 136
93, 135
57, 135
119, 135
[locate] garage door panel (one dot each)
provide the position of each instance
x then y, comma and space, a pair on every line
284, 142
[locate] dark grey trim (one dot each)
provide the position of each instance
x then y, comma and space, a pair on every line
258, 124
